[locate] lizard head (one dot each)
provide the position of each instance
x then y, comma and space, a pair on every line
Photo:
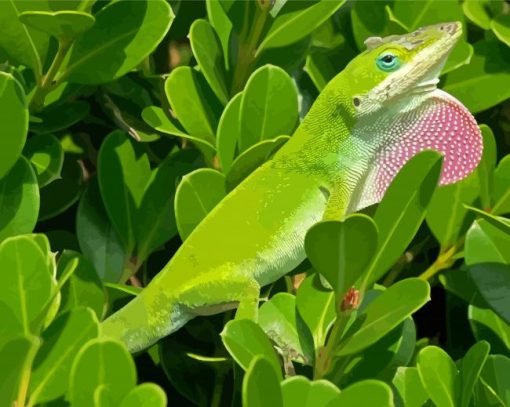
399, 67
397, 111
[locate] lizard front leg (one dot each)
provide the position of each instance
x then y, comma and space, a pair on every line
215, 292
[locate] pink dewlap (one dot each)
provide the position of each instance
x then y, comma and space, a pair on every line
444, 125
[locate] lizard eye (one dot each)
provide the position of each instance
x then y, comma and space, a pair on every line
388, 62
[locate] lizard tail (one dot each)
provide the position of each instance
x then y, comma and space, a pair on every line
147, 318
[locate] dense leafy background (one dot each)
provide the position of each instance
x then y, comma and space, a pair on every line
123, 123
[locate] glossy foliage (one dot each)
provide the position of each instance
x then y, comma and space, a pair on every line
124, 123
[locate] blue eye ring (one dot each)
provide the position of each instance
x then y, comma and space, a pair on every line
388, 62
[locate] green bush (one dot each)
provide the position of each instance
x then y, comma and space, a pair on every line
123, 123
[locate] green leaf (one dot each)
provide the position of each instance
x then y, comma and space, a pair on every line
207, 50
22, 44
269, 106
493, 283
228, 133
499, 222
495, 374
439, 376
501, 28
383, 314
470, 369
381, 359
60, 116
99, 241
245, 340
13, 119
486, 325
483, 83
486, 396
342, 250
446, 212
196, 195
365, 393
193, 103
62, 193
101, 362
502, 187
63, 25
316, 306
403, 208
61, 341
156, 219
47, 156
475, 11
16, 356
371, 19
289, 27
123, 172
124, 34
410, 388
145, 395
485, 169
156, 118
251, 159
83, 287
222, 25
19, 205
30, 284
460, 283
261, 384
277, 317
299, 391
486, 243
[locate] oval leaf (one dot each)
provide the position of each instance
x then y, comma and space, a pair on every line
384, 313
19, 206
228, 133
403, 208
31, 285
439, 376
124, 34
123, 172
207, 50
299, 391
63, 25
269, 106
13, 121
61, 341
101, 363
47, 156
342, 250
244, 340
145, 395
99, 241
261, 375
196, 195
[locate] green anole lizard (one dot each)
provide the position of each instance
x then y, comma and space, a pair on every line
371, 118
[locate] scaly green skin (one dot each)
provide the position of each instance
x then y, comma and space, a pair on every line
255, 235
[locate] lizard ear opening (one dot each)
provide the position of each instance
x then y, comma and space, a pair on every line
442, 124
356, 101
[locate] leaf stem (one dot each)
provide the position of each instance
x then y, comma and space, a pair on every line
47, 83
247, 54
325, 355
444, 261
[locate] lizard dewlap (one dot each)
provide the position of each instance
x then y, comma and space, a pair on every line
370, 119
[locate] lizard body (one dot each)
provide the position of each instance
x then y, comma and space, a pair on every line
368, 121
